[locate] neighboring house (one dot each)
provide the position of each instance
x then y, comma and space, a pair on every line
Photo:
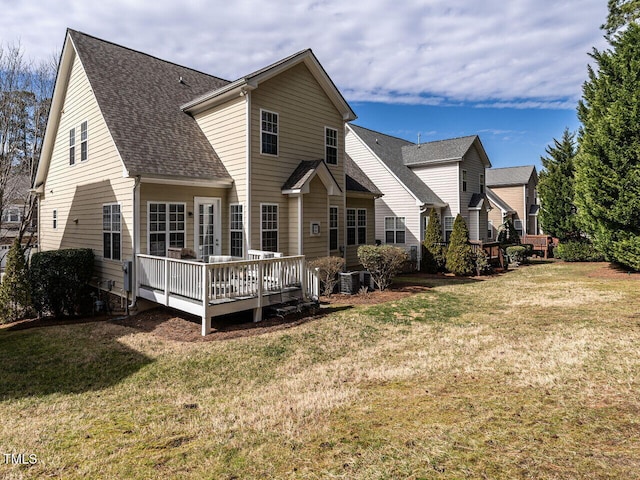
513, 195
142, 155
446, 175
16, 205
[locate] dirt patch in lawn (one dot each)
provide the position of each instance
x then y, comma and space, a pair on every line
610, 270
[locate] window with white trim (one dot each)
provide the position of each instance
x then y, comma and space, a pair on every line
84, 135
72, 146
356, 226
331, 145
490, 229
333, 228
54, 217
448, 228
268, 132
111, 228
394, 230
269, 228
464, 180
362, 226
517, 224
482, 183
236, 230
425, 225
167, 227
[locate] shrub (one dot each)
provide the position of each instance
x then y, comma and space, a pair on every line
434, 251
328, 270
516, 253
60, 280
460, 257
15, 294
383, 262
577, 251
482, 263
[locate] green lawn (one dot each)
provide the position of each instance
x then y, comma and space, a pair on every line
533, 374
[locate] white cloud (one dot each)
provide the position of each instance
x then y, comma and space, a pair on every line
525, 53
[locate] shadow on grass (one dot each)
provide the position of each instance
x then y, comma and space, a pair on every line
73, 359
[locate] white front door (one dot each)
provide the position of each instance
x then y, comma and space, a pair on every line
207, 226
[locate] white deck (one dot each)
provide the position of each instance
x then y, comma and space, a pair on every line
210, 289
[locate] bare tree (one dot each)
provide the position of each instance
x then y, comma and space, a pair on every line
25, 98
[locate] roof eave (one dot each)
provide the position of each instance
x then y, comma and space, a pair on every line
62, 79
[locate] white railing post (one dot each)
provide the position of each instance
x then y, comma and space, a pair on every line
257, 312
206, 317
166, 281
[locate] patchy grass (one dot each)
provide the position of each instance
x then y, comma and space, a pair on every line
532, 374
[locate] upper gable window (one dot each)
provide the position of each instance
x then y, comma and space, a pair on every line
331, 145
72, 146
84, 134
269, 132
464, 180
482, 183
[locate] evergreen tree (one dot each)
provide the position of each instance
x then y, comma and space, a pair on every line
621, 13
558, 213
460, 258
15, 297
607, 183
433, 259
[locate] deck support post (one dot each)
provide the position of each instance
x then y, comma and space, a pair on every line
206, 324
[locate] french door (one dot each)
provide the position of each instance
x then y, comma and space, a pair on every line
207, 226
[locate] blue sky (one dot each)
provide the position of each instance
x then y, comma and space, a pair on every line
509, 71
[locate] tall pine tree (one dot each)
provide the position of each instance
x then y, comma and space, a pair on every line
433, 259
555, 187
460, 258
607, 183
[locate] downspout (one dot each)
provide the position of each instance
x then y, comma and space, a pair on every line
247, 180
134, 246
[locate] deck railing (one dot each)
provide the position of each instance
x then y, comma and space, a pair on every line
193, 286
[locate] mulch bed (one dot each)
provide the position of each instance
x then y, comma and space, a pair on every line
177, 326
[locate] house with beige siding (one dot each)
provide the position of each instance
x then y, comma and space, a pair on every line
446, 175
512, 192
143, 158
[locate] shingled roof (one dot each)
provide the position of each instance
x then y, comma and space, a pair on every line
438, 151
389, 150
510, 176
140, 98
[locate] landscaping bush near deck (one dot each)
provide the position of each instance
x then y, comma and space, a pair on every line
577, 251
383, 262
328, 270
517, 253
60, 281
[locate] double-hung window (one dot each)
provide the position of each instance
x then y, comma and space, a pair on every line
269, 132
464, 180
269, 227
84, 135
482, 183
448, 228
356, 226
333, 228
111, 228
166, 227
331, 145
236, 229
394, 230
72, 146
54, 218
490, 229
